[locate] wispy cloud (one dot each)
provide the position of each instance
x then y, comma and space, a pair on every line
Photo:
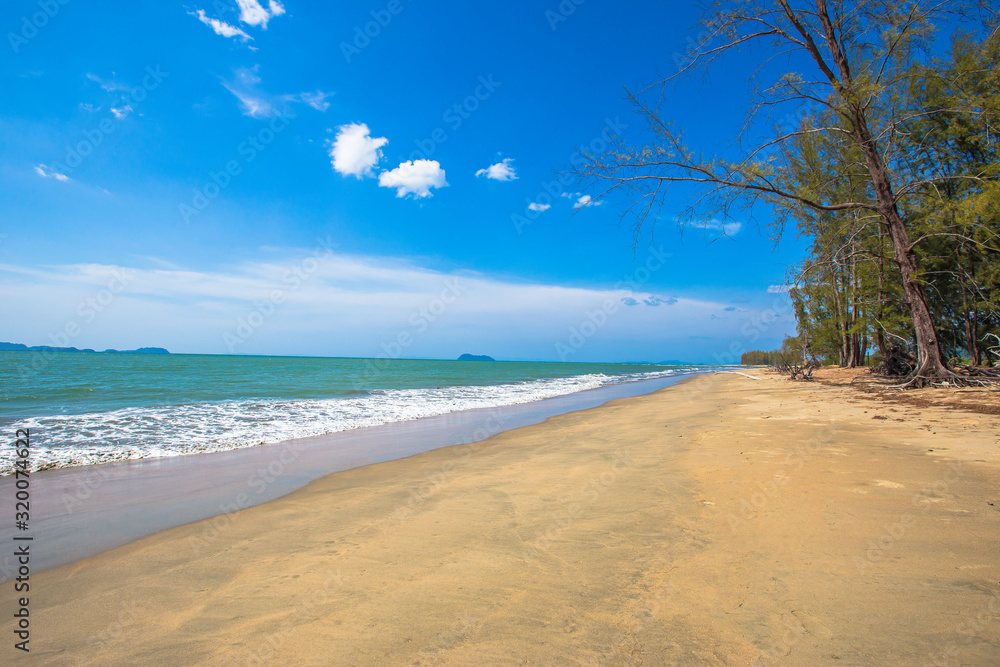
355, 152
348, 305
253, 13
316, 100
110, 85
256, 103
414, 179
221, 27
726, 228
46, 172
779, 289
244, 86
501, 171
120, 113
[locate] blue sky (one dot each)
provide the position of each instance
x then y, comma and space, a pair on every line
168, 169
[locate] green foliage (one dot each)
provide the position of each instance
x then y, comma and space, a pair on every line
849, 299
760, 358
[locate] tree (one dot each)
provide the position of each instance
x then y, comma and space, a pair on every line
853, 59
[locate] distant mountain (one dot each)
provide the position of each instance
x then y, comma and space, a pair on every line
475, 357
48, 348
674, 362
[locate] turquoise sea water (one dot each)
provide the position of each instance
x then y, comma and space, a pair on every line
90, 408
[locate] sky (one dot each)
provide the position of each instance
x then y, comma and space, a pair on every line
362, 179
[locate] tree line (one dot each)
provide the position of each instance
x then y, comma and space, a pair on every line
891, 174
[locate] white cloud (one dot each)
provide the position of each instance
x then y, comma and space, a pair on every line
253, 13
46, 172
414, 178
244, 86
541, 208
779, 289
220, 27
110, 86
355, 152
501, 171
726, 228
586, 200
121, 112
347, 305
316, 100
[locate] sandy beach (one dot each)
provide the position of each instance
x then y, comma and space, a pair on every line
725, 521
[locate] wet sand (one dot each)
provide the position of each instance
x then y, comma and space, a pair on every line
723, 521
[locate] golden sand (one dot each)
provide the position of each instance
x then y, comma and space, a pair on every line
723, 521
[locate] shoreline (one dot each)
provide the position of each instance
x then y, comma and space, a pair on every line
727, 521
81, 511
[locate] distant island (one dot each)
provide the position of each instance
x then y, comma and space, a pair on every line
20, 347
475, 357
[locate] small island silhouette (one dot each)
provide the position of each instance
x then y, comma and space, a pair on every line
475, 357
20, 347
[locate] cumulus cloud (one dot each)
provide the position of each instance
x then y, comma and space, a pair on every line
585, 200
220, 28
355, 152
253, 13
46, 172
414, 178
541, 208
501, 171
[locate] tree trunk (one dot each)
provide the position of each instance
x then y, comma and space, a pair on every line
971, 328
931, 365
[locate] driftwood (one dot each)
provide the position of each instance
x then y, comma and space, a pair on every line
796, 371
896, 362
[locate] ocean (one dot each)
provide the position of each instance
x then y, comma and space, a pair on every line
95, 408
